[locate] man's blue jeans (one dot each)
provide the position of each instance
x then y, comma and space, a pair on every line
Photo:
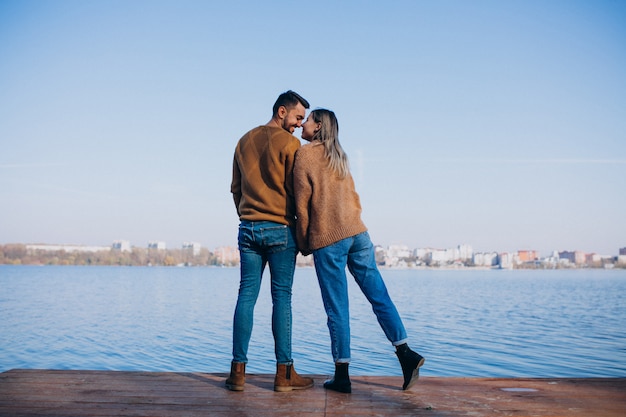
357, 252
262, 243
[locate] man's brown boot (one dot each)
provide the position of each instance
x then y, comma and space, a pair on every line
287, 379
237, 377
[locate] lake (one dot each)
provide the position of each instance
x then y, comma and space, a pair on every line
469, 323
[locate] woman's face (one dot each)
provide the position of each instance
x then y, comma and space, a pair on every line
309, 127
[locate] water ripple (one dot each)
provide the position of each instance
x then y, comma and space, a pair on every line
467, 323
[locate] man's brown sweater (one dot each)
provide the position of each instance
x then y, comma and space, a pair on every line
262, 183
328, 207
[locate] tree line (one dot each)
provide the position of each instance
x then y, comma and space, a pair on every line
19, 254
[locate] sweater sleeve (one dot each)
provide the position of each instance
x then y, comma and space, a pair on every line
290, 156
235, 186
303, 191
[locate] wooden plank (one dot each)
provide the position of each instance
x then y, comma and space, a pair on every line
110, 393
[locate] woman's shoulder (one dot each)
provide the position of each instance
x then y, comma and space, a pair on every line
311, 148
310, 154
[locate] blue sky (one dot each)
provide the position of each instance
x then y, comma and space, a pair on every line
498, 124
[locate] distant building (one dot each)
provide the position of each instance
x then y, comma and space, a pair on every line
192, 247
156, 245
575, 257
68, 248
395, 255
527, 255
380, 254
485, 259
622, 251
439, 256
398, 251
553, 260
421, 253
121, 245
227, 255
593, 259
507, 260
465, 252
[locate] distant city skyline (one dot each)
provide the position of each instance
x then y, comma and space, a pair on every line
497, 124
123, 244
396, 256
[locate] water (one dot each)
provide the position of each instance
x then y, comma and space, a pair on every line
470, 323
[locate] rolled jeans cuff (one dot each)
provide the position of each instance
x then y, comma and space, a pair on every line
400, 342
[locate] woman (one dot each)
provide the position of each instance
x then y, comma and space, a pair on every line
329, 225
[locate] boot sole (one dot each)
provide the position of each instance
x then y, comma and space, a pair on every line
346, 389
290, 388
234, 387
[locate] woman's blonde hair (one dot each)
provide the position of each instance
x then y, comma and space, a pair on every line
328, 134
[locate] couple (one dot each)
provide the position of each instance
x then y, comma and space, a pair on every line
274, 182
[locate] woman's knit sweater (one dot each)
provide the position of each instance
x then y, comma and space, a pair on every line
327, 206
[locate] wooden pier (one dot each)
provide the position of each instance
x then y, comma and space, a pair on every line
169, 394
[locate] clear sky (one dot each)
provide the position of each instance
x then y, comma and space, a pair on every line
498, 124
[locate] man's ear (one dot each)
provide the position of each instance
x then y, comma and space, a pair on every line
282, 112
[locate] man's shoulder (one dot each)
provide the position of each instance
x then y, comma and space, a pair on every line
261, 137
279, 133
282, 139
252, 133
270, 132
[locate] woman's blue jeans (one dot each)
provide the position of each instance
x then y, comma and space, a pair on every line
260, 244
356, 252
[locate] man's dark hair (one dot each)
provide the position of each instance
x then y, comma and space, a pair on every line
289, 99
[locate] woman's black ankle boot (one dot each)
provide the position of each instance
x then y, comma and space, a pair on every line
341, 381
410, 362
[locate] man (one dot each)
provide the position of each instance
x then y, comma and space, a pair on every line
262, 188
